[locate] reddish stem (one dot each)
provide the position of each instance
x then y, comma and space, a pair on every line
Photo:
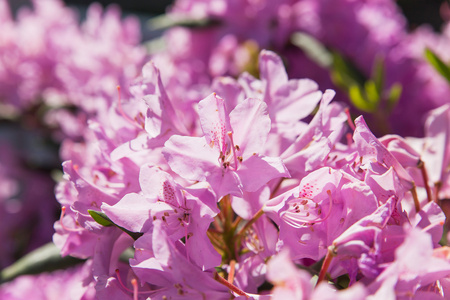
326, 264
232, 270
416, 199
232, 287
421, 166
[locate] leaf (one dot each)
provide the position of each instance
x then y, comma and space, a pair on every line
349, 74
378, 74
313, 49
163, 22
358, 99
44, 259
438, 64
372, 94
101, 218
394, 95
127, 254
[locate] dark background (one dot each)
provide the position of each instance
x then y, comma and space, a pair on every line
416, 11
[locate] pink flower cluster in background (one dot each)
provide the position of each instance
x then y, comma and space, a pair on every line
222, 171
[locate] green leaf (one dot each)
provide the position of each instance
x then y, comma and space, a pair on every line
163, 22
438, 64
378, 74
349, 74
100, 217
127, 254
44, 259
313, 49
373, 95
342, 282
358, 99
394, 95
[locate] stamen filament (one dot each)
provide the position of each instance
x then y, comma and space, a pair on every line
440, 223
63, 212
126, 117
349, 119
186, 236
230, 134
349, 139
135, 289
121, 283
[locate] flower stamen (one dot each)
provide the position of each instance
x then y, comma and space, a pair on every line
63, 213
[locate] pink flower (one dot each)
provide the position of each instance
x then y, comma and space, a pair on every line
162, 263
227, 156
183, 214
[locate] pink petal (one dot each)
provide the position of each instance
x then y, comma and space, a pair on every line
272, 71
257, 170
131, 212
214, 121
191, 157
251, 125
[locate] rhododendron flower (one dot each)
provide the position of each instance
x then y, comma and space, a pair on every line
415, 269
183, 215
171, 272
227, 156
292, 283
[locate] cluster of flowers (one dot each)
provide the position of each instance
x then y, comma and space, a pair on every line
53, 72
363, 32
47, 58
197, 186
250, 190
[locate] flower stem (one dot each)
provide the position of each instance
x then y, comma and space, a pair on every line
231, 286
232, 270
250, 222
416, 199
421, 166
326, 263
